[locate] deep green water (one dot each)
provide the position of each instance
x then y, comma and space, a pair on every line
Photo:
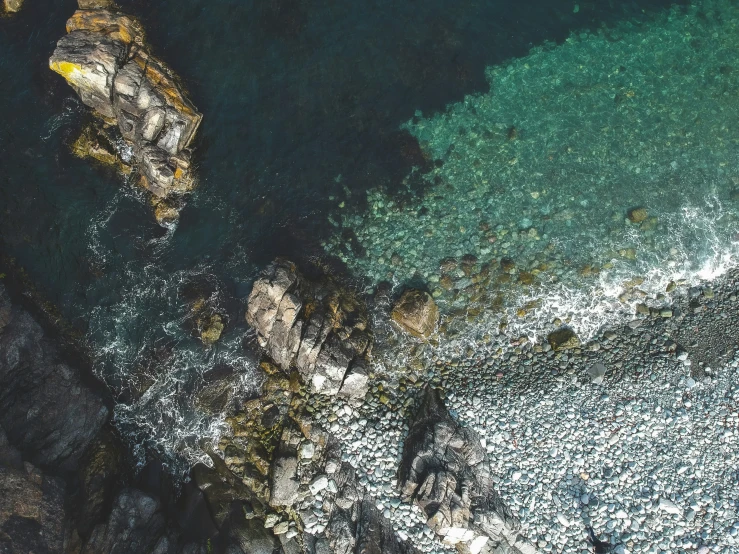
309, 119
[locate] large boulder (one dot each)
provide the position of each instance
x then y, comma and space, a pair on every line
445, 470
47, 412
136, 524
105, 59
316, 327
416, 313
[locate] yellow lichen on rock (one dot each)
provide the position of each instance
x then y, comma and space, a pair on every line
116, 26
72, 72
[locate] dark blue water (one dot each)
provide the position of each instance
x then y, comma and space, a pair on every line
302, 103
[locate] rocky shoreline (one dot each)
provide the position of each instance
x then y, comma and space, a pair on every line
435, 457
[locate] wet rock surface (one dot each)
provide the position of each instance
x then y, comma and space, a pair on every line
105, 59
319, 328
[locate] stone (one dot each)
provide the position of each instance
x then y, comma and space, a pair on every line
446, 472
318, 484
563, 338
669, 506
597, 372
284, 482
416, 313
12, 6
307, 450
315, 326
46, 410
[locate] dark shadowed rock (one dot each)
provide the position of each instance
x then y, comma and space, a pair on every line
446, 472
319, 328
136, 524
45, 409
416, 313
563, 339
32, 515
99, 473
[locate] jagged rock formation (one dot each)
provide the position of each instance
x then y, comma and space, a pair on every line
315, 327
105, 59
447, 473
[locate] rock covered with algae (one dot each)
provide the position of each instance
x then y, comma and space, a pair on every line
105, 59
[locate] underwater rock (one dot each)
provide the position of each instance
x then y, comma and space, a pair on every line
12, 6
445, 470
317, 327
44, 408
416, 312
105, 59
563, 339
637, 215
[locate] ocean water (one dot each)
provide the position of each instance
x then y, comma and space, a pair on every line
334, 132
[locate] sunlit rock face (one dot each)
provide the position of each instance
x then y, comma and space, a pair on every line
105, 59
318, 328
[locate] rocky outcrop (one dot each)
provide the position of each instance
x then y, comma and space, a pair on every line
318, 328
105, 59
446, 472
416, 313
45, 409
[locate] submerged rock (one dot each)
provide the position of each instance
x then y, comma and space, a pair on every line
105, 59
446, 472
416, 312
12, 6
317, 327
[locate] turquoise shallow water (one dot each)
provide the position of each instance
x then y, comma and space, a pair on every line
309, 119
593, 176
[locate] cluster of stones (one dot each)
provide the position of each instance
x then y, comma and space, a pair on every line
105, 59
285, 449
